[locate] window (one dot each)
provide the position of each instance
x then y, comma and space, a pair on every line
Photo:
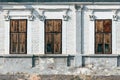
18, 36
53, 36
103, 36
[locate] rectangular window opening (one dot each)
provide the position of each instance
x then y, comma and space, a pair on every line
103, 36
53, 36
18, 36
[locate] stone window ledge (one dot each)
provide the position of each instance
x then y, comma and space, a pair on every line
35, 55
101, 55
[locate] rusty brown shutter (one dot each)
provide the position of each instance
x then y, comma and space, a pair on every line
18, 34
103, 36
53, 36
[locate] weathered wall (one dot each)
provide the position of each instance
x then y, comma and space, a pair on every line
101, 61
36, 64
35, 28
77, 39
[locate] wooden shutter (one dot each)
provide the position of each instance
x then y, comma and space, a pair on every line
99, 43
57, 43
14, 26
99, 26
22, 43
18, 35
103, 36
49, 43
49, 26
57, 26
53, 36
107, 26
22, 26
14, 43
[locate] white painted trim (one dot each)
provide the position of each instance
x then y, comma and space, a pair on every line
54, 9
8, 16
43, 10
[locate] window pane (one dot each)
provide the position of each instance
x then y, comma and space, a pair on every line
57, 25
107, 42
22, 25
57, 43
49, 43
49, 25
99, 26
22, 43
107, 25
99, 42
14, 26
14, 43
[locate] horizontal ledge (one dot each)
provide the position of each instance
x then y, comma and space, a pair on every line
53, 55
53, 8
61, 3
35, 55
29, 9
100, 55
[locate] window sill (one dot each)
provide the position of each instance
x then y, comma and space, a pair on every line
101, 55
35, 55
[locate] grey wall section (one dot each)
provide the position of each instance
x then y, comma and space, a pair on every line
100, 61
36, 64
53, 64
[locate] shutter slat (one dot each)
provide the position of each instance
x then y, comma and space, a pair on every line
14, 43
107, 25
99, 26
22, 43
57, 25
14, 25
49, 43
22, 25
49, 26
107, 41
99, 42
57, 43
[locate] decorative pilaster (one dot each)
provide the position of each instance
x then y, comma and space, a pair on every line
79, 35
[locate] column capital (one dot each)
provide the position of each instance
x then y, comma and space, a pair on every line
79, 7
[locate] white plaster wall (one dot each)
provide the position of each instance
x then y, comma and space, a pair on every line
2, 34
117, 25
35, 28
71, 32
100, 12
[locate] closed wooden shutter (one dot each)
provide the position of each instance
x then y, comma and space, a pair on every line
18, 35
53, 36
103, 36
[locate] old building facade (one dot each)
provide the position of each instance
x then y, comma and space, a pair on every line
55, 37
